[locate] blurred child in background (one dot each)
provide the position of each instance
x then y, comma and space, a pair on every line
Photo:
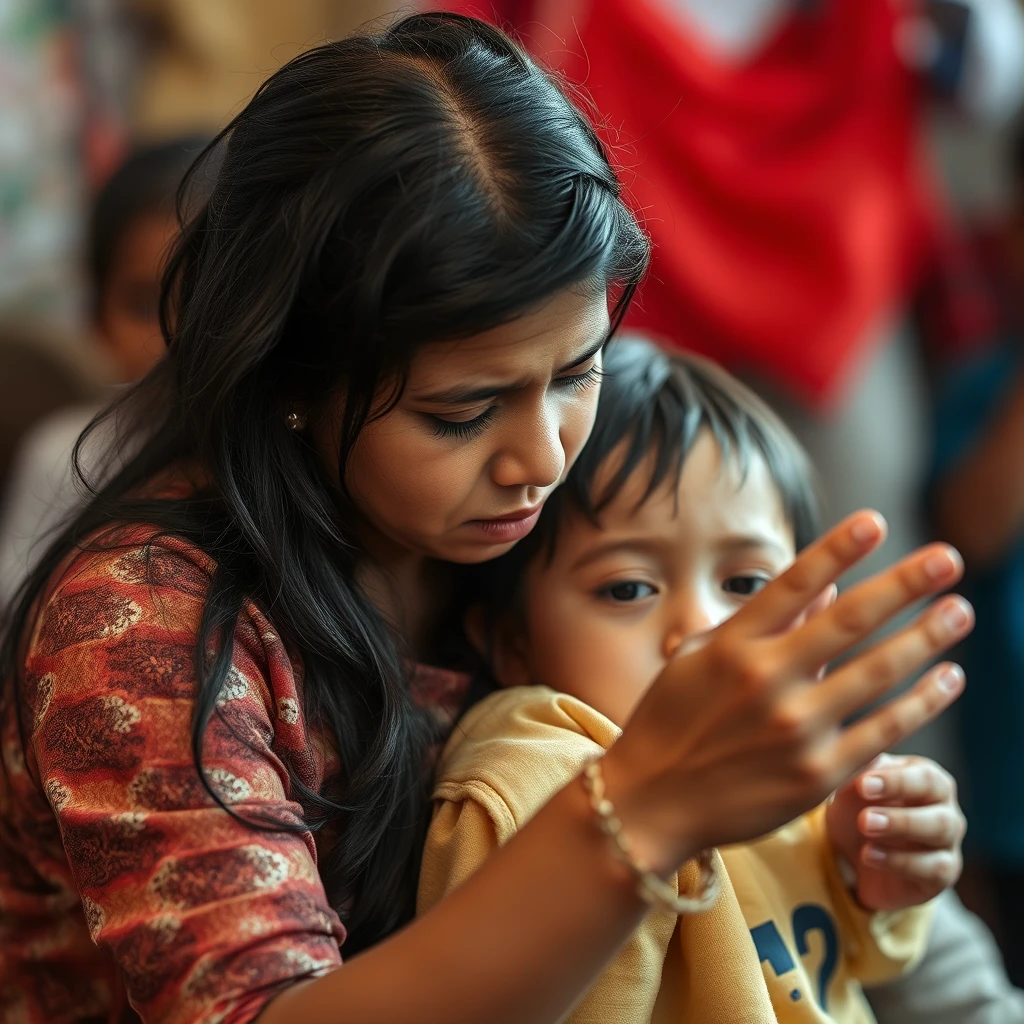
131, 224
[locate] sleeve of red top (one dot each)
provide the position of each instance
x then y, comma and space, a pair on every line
207, 917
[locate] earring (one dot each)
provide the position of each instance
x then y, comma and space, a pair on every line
296, 420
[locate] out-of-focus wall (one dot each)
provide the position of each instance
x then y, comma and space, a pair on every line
40, 181
205, 58
973, 163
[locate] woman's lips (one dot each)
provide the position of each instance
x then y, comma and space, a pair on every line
512, 527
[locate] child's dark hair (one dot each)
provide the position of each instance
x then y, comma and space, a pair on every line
377, 194
659, 403
145, 183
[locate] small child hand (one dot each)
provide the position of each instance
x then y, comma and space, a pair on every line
899, 826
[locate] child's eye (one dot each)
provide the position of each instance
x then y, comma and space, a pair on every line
745, 586
628, 590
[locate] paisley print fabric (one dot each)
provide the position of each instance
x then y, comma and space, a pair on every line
125, 891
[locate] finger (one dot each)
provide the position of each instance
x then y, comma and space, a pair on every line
877, 670
863, 609
939, 827
938, 868
821, 603
788, 596
894, 721
916, 781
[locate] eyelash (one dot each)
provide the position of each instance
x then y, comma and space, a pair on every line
464, 429
467, 429
582, 381
762, 579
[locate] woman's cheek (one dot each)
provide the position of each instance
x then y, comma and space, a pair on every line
577, 426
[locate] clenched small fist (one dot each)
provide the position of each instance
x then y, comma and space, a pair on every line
899, 826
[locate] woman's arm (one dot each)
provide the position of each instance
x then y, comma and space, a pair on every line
732, 741
520, 941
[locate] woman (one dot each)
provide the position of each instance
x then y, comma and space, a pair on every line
385, 329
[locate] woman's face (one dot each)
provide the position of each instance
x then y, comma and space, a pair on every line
485, 429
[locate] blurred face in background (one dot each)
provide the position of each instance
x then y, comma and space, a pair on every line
127, 319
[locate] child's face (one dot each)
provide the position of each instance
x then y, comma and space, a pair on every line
128, 316
614, 604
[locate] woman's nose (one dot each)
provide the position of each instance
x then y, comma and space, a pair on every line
532, 454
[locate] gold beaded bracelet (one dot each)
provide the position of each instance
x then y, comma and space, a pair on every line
652, 889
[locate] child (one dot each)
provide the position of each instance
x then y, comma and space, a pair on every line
689, 497
131, 225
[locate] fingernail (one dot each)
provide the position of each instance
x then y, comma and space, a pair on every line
875, 822
951, 679
867, 529
955, 615
940, 564
872, 786
874, 855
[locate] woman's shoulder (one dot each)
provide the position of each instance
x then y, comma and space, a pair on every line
115, 639
106, 584
128, 604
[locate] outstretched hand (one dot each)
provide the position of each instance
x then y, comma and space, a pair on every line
745, 733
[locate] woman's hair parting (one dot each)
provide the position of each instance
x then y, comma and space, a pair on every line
378, 193
653, 408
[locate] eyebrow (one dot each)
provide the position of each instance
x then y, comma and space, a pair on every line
634, 545
466, 396
655, 546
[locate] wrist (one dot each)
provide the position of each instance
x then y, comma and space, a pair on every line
661, 836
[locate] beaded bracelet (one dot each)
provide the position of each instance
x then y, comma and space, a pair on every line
652, 889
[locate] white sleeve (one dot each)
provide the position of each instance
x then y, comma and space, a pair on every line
961, 979
40, 491
993, 82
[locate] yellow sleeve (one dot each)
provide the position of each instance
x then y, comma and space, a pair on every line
880, 944
461, 837
465, 831
508, 757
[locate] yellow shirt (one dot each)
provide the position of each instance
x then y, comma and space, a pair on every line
812, 944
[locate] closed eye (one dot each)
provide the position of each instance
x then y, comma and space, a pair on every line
463, 429
581, 381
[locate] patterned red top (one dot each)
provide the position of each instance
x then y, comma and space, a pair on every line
120, 879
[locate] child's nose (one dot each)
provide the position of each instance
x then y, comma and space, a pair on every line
688, 629
680, 644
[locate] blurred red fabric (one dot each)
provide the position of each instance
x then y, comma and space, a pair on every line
787, 193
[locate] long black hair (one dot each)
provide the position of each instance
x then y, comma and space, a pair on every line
377, 193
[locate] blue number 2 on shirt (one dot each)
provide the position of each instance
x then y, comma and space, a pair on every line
808, 917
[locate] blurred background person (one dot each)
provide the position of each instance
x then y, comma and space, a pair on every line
131, 224
978, 504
